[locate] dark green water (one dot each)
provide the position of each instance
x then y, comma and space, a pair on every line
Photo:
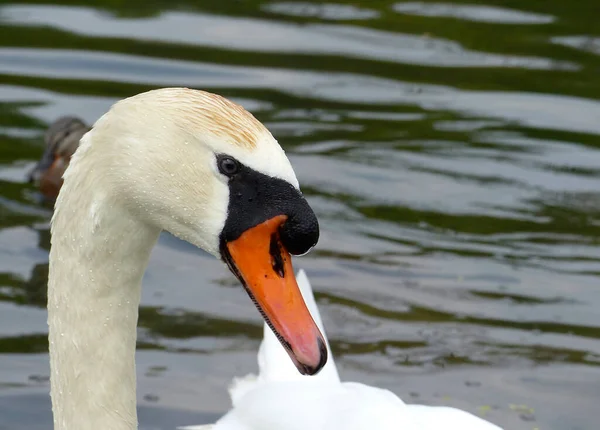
451, 151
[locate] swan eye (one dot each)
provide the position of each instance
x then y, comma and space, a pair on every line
227, 165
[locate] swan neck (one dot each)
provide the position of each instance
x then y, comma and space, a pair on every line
98, 256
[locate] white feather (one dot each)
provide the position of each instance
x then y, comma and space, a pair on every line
279, 398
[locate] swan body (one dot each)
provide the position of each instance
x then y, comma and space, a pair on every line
281, 399
202, 168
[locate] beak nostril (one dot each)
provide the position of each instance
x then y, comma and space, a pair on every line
277, 260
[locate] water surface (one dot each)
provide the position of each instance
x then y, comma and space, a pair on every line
450, 151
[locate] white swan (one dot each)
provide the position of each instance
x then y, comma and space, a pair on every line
281, 399
202, 168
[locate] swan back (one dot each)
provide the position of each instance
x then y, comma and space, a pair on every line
281, 399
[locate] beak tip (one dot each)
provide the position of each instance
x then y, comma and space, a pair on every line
309, 369
324, 355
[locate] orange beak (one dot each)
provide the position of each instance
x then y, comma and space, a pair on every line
264, 267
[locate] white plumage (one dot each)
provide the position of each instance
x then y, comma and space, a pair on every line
279, 398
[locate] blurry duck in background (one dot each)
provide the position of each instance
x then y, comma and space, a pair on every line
61, 140
280, 398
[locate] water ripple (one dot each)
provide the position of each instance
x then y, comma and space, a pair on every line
267, 36
479, 13
450, 151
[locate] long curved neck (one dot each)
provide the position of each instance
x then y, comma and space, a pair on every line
98, 256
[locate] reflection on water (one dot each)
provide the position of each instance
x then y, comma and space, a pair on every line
449, 150
262, 35
483, 13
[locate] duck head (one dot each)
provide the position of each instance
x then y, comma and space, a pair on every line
61, 140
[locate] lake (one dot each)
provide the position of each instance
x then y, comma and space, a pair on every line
450, 150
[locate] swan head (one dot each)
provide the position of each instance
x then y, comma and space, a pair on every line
204, 169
